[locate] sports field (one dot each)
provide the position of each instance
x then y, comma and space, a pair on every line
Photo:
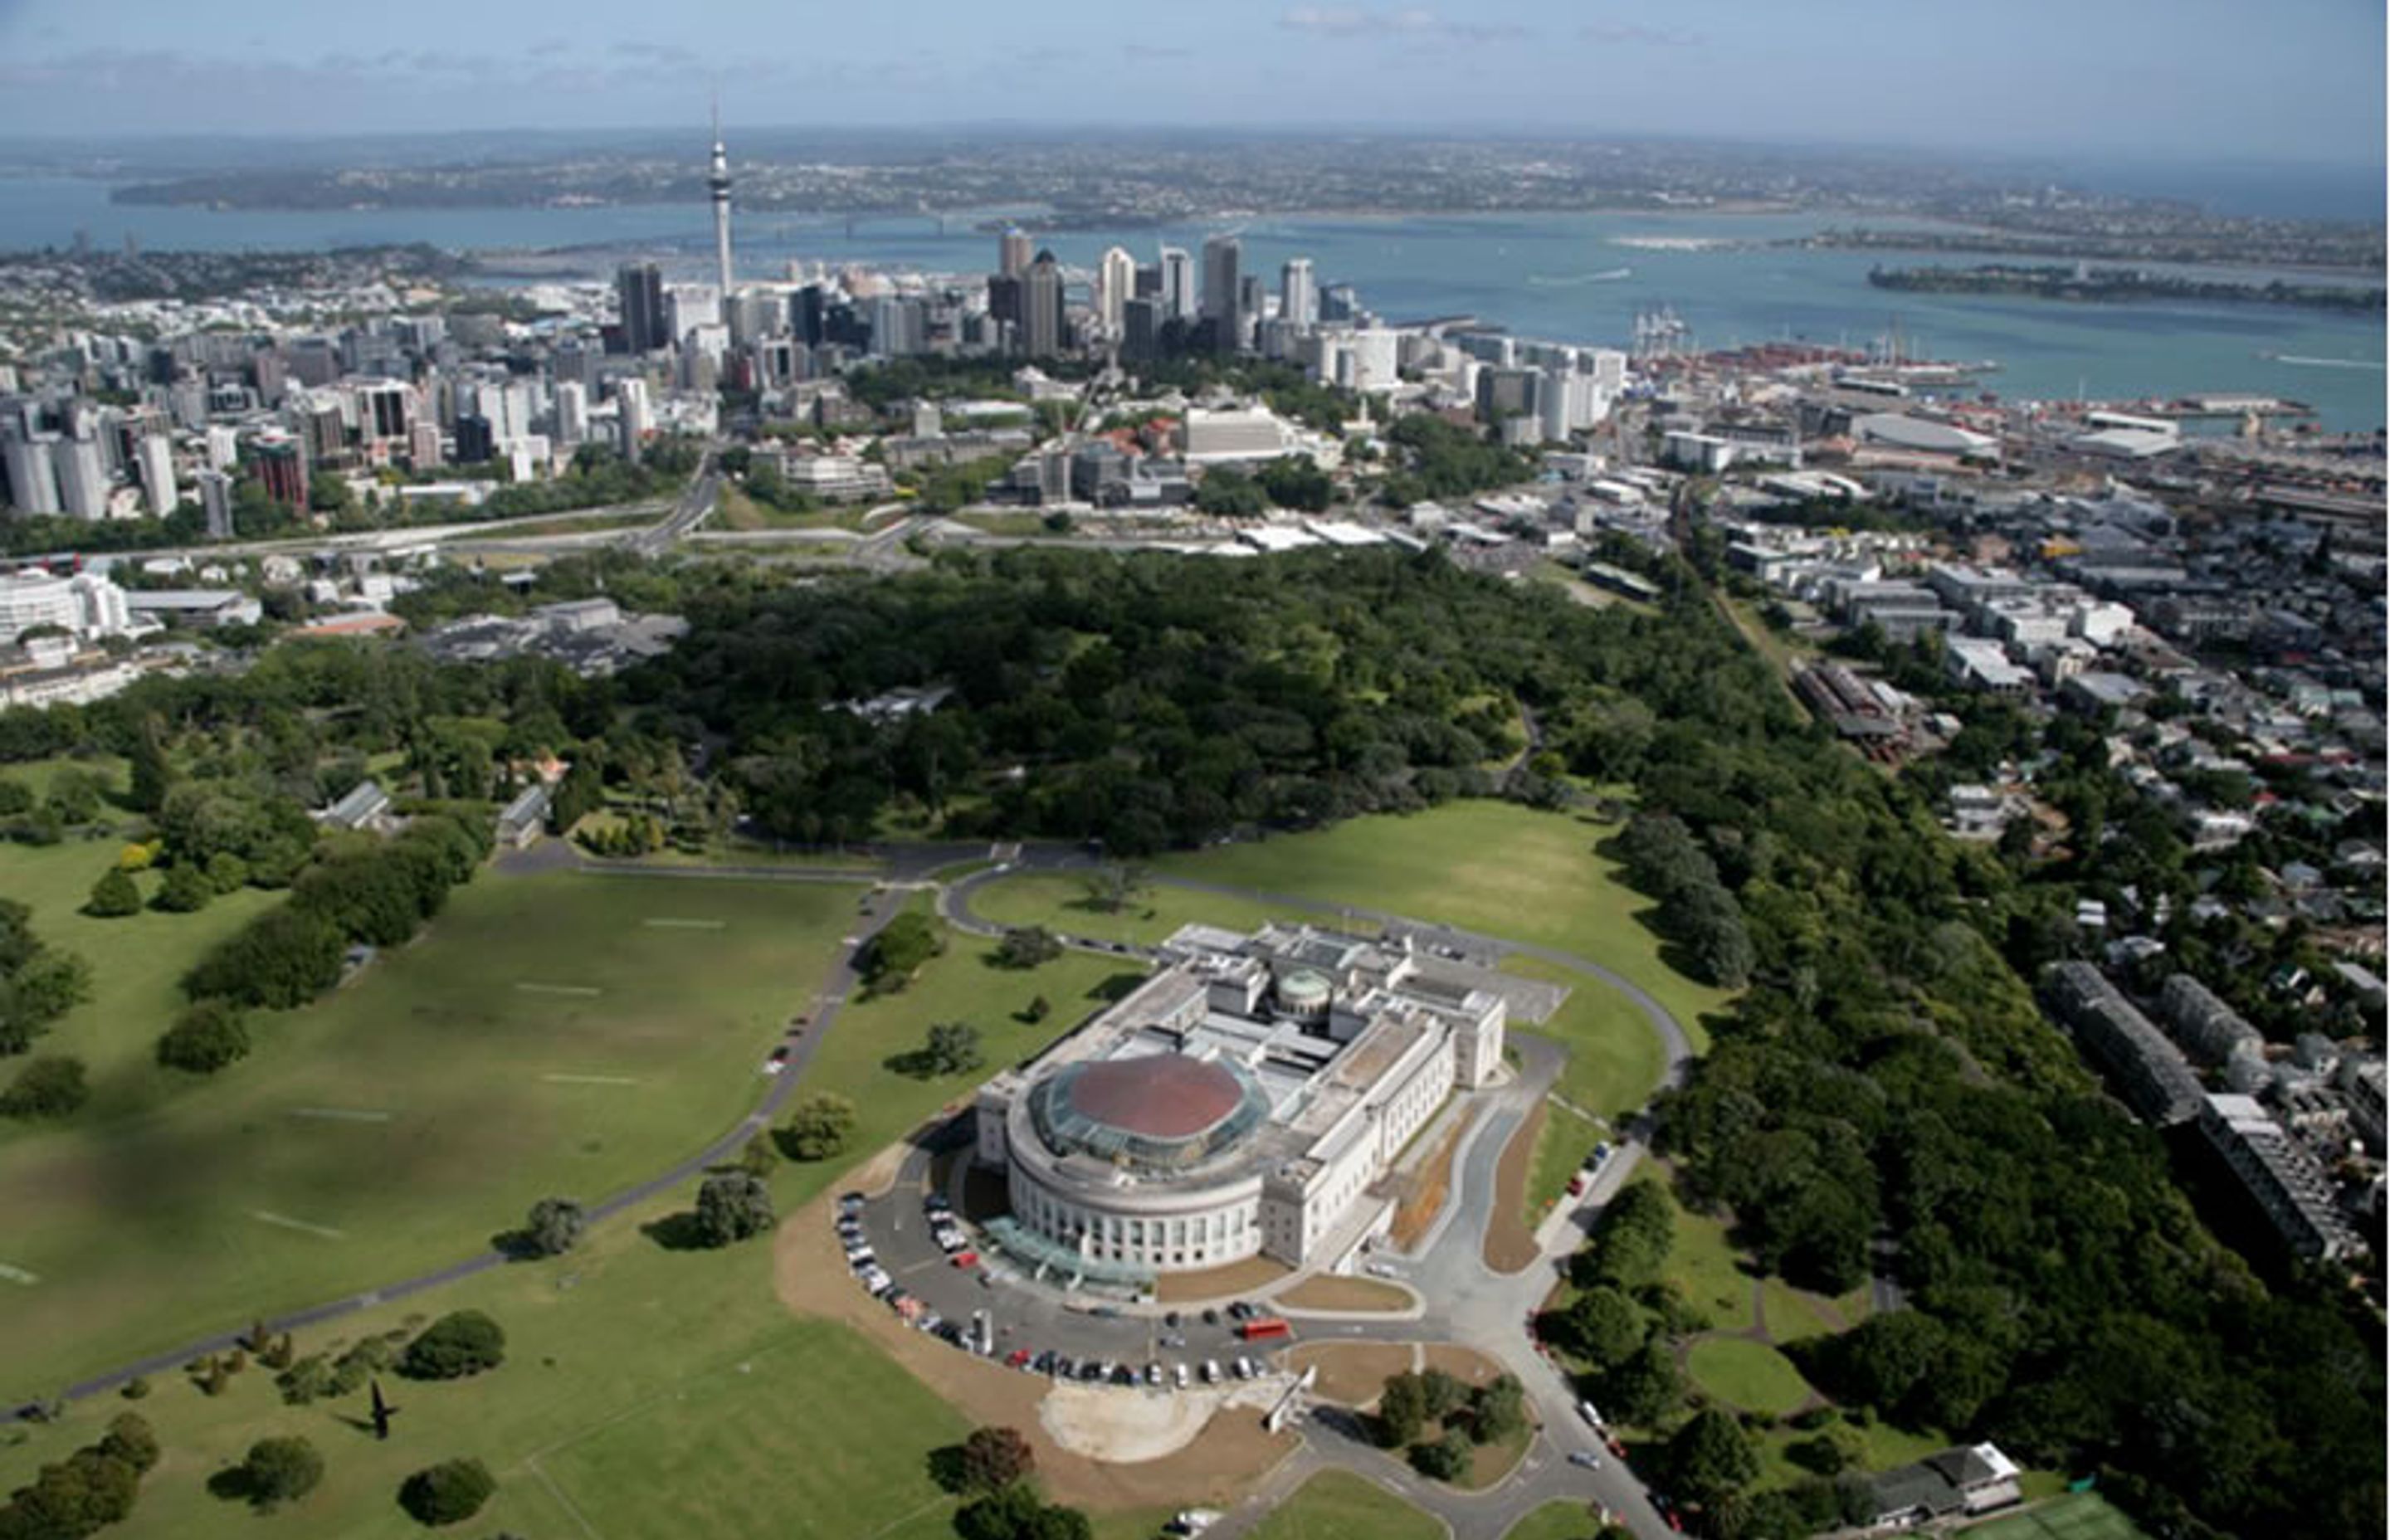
2076, 1516
1492, 867
565, 1034
647, 1391
1336, 1505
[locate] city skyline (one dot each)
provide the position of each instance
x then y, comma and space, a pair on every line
2165, 83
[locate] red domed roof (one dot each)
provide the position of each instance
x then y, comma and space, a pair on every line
1158, 1096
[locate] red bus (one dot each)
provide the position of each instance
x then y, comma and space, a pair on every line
1264, 1329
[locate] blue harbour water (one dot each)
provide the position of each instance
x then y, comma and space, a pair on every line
1553, 275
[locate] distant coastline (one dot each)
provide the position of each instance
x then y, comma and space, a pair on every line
2083, 284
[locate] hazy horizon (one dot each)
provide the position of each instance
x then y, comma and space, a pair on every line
2183, 82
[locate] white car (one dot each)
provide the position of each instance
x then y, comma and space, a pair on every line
1580, 1456
1179, 1375
1211, 1371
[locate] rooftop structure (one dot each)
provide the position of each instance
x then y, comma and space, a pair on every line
2282, 1178
2148, 1073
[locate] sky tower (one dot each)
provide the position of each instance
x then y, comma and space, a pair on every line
717, 182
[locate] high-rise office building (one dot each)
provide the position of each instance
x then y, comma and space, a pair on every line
1141, 328
477, 439
1004, 298
1339, 302
631, 403
1223, 295
157, 458
1041, 307
224, 446
215, 501
32, 472
571, 412
423, 444
1298, 297
806, 315
1012, 252
640, 300
1177, 285
385, 408
717, 186
1115, 285
82, 479
282, 465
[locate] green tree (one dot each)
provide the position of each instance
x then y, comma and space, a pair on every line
952, 1048
280, 1470
1498, 1409
448, 1493
995, 1458
1442, 1394
282, 958
131, 1439
1711, 1458
1448, 1459
153, 772
554, 1226
187, 889
460, 1343
1027, 946
1646, 1387
1603, 1326
1112, 886
114, 896
731, 1206
1006, 1513
1631, 1243
893, 956
51, 1086
206, 1037
818, 1127
1402, 1410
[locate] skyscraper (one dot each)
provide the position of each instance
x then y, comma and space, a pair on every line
1012, 252
32, 475
282, 465
1177, 285
215, 501
639, 297
1041, 307
717, 183
82, 478
1221, 294
157, 458
1298, 297
1115, 284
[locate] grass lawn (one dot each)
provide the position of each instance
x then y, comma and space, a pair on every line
1337, 1504
1491, 866
738, 512
2074, 1516
543, 1037
1704, 1264
1556, 1522
1748, 1376
647, 1391
135, 963
1614, 1058
1793, 1314
1058, 901
1560, 1149
1883, 1446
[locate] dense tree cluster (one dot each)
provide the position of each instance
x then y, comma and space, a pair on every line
1437, 459
891, 959
1696, 912
38, 984
89, 1490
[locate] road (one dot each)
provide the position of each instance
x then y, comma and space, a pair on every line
1464, 1299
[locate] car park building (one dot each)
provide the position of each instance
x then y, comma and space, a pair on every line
1242, 1101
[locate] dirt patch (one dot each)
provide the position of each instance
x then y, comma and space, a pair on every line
1489, 1463
1353, 1373
1130, 1427
1210, 1471
1466, 1365
1509, 1245
1424, 1190
1249, 1276
1333, 1291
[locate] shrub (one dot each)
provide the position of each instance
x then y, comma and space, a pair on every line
205, 1038
51, 1086
280, 1470
187, 889
113, 896
463, 1342
448, 1493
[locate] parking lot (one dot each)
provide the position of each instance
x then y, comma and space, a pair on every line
930, 1268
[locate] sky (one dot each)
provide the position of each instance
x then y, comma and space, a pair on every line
2178, 81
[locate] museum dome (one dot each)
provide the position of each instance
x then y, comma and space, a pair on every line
1155, 1111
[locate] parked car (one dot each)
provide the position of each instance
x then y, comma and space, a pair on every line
1589, 1460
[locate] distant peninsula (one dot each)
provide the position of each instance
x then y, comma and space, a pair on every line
2061, 281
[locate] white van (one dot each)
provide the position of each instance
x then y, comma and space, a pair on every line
1587, 1410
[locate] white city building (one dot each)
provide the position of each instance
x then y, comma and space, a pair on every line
1242, 1101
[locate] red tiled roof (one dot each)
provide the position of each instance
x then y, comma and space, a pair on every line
1160, 1096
